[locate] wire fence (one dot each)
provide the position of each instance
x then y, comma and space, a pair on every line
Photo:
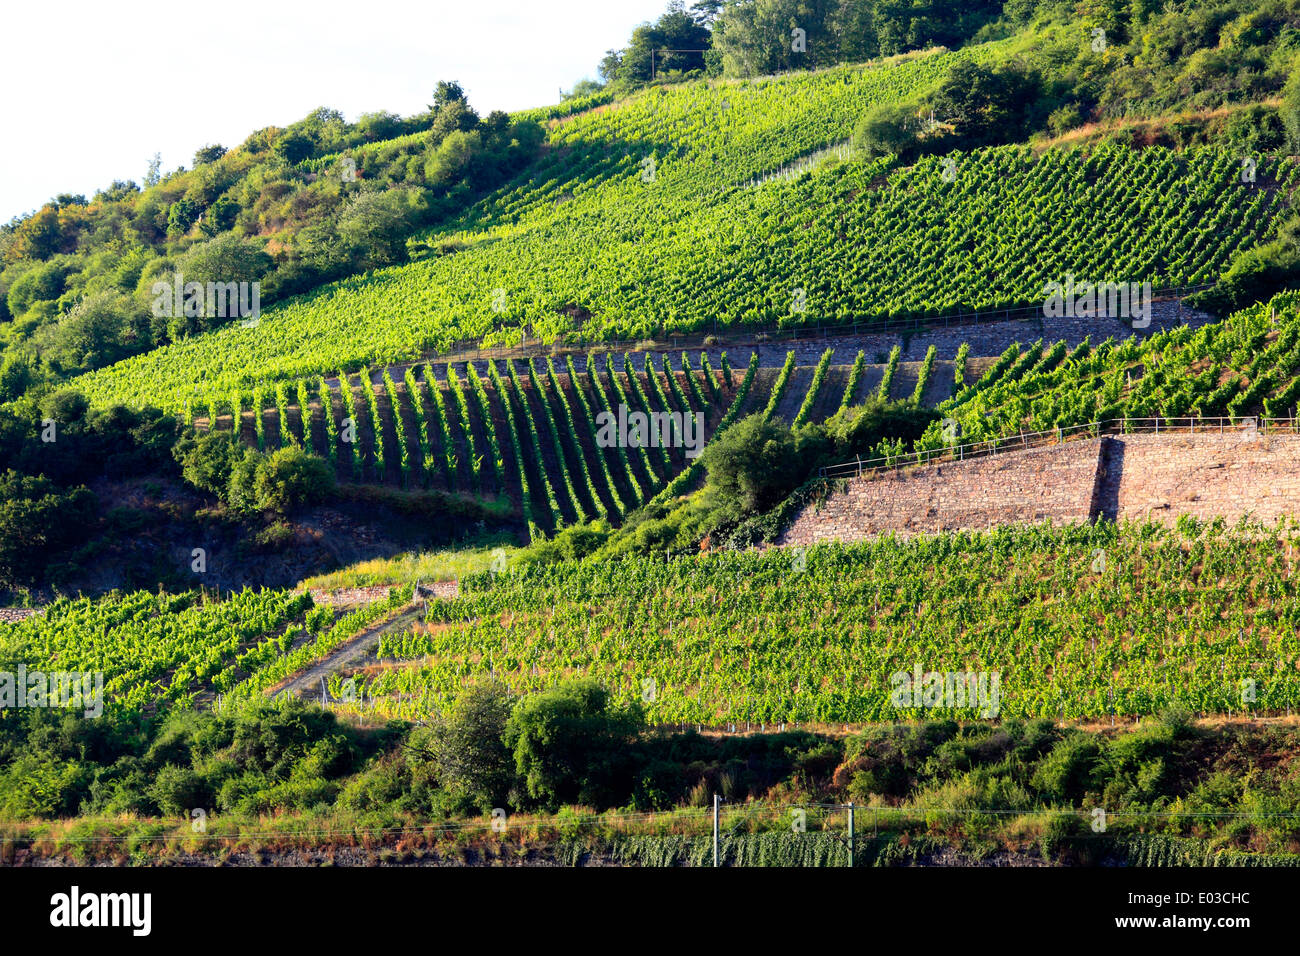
720, 821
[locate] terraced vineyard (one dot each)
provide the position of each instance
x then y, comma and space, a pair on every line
536, 423
1200, 616
1246, 365
641, 220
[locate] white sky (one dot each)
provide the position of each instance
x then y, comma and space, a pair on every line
93, 89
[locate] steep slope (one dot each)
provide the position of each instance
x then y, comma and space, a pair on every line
643, 221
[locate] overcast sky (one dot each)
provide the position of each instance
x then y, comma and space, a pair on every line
94, 89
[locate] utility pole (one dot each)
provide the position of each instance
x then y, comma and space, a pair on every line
716, 801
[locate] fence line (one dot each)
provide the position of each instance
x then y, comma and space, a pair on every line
740, 814
870, 467
682, 339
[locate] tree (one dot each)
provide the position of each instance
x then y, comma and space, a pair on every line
37, 520
456, 117
568, 743
294, 146
704, 12
225, 258
67, 406
181, 215
207, 460
454, 159
674, 42
118, 191
208, 154
752, 466
98, 330
584, 87
220, 217
610, 65
376, 224
469, 754
885, 129
986, 106
446, 93
379, 126
42, 282
16, 376
290, 478
759, 37
152, 177
241, 492
39, 236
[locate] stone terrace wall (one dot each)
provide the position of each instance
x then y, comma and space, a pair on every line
1055, 483
1124, 477
1161, 477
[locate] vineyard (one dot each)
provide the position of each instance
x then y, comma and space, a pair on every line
1200, 616
528, 430
159, 651
647, 217
1247, 365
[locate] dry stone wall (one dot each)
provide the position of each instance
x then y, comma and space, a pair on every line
1120, 477
1163, 476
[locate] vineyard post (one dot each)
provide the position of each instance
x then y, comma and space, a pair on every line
716, 800
850, 834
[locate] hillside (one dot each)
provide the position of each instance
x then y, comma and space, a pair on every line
589, 249
902, 424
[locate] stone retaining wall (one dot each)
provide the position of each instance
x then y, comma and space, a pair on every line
1124, 477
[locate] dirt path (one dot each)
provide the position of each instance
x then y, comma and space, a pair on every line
308, 681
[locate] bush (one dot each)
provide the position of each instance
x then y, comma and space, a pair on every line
752, 466
886, 129
241, 491
467, 747
207, 460
569, 744
66, 406
38, 520
291, 478
1069, 770
178, 790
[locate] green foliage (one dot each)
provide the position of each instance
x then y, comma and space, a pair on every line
1257, 274
753, 465
291, 478
810, 399
567, 743
1181, 372
468, 749
207, 460
891, 369
920, 244
922, 379
37, 520
1070, 770
778, 388
1290, 109
887, 129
